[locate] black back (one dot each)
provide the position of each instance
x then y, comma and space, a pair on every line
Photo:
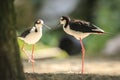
25, 33
28, 31
83, 26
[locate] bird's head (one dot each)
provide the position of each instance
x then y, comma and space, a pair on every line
39, 22
64, 20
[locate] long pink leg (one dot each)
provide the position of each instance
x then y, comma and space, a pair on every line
24, 51
32, 56
83, 53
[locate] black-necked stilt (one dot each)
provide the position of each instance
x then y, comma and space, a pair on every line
32, 36
79, 29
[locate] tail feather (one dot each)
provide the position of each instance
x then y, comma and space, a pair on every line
21, 38
98, 31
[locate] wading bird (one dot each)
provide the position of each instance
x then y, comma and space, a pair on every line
79, 29
32, 36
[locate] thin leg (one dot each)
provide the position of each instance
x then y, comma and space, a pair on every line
83, 53
24, 51
32, 56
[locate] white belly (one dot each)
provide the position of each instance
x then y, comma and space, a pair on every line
76, 34
33, 37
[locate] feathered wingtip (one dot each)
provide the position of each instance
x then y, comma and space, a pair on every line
97, 29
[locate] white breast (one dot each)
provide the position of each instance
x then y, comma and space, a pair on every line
76, 34
33, 37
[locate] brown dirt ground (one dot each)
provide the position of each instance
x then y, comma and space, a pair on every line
49, 68
72, 76
69, 69
73, 65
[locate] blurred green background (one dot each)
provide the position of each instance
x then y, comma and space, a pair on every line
103, 13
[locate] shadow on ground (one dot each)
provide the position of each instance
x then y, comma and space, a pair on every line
69, 76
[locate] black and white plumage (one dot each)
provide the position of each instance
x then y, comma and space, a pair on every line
32, 36
79, 29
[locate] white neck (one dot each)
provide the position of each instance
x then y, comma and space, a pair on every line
39, 27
